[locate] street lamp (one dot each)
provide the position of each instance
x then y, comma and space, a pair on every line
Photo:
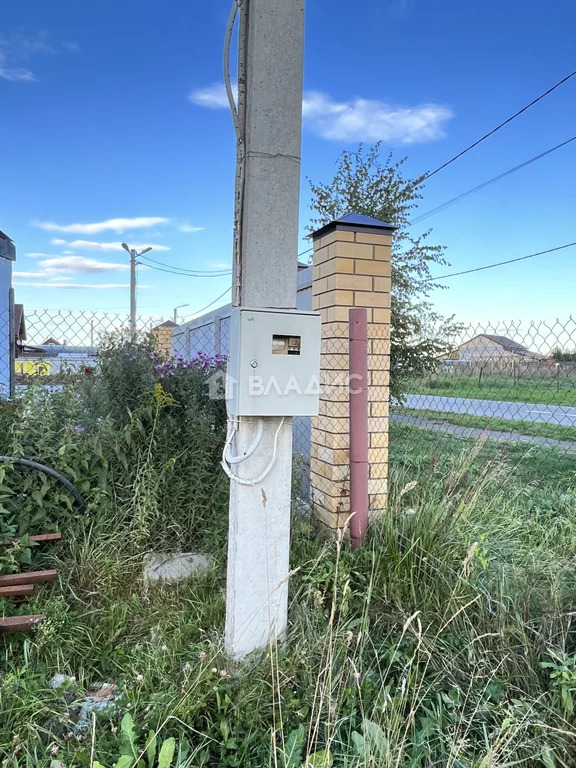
176, 311
133, 256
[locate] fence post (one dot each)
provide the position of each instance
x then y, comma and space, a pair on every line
351, 269
358, 400
217, 335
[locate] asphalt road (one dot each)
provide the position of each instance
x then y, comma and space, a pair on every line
564, 415
436, 425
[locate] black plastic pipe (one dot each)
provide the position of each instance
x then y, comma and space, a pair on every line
51, 473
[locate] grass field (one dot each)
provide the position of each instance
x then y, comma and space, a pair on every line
532, 428
446, 640
495, 388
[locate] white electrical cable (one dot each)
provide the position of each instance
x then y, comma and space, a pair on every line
226, 65
237, 108
246, 455
264, 473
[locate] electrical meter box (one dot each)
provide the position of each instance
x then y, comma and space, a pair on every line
274, 361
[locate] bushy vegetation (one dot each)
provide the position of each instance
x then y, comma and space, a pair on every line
447, 640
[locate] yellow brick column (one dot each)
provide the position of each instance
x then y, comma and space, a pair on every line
351, 269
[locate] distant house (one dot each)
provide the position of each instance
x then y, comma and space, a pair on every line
53, 358
163, 335
496, 352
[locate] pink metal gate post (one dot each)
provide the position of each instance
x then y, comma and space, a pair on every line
358, 399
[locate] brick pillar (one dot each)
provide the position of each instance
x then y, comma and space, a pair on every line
351, 269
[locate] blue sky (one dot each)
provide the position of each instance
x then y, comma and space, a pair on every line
111, 131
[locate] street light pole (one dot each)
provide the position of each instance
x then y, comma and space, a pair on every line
133, 263
176, 311
133, 291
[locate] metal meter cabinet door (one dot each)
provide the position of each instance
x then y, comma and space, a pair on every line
273, 367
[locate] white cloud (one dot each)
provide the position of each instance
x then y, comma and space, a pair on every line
355, 120
213, 97
188, 228
16, 49
96, 227
56, 269
36, 255
15, 74
370, 120
82, 286
17, 274
72, 47
79, 265
92, 245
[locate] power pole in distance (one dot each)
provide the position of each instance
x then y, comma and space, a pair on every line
133, 262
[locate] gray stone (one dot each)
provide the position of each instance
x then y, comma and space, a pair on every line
173, 567
59, 680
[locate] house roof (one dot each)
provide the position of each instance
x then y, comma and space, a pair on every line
7, 247
354, 222
166, 324
510, 345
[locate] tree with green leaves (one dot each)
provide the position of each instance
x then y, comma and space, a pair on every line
564, 355
365, 184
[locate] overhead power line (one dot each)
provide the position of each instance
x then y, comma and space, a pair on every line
187, 272
453, 200
498, 127
199, 311
500, 263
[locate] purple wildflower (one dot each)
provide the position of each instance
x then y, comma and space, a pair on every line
79, 430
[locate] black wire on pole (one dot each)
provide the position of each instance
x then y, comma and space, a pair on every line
498, 127
500, 263
186, 274
510, 171
191, 272
199, 311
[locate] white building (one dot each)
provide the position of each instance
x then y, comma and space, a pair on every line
7, 345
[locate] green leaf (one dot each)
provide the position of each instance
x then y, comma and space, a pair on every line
129, 737
151, 749
166, 753
547, 757
321, 759
374, 737
183, 750
294, 746
359, 743
125, 761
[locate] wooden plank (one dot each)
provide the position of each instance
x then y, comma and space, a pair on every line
39, 539
16, 590
30, 577
20, 623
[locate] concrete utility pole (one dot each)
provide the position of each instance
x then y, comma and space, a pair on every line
271, 53
133, 262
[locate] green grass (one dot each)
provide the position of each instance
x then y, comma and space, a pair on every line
496, 388
423, 648
533, 428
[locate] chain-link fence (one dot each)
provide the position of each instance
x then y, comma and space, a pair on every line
49, 345
511, 383
507, 385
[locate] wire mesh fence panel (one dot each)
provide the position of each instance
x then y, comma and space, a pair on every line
53, 344
508, 383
